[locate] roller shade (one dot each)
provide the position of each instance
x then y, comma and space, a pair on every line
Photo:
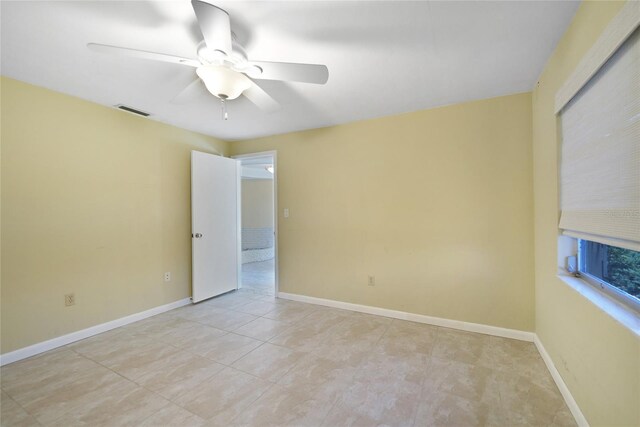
600, 155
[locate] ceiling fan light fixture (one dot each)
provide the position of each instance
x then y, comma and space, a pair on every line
222, 81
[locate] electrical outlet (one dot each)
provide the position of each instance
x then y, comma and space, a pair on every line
167, 276
372, 281
69, 299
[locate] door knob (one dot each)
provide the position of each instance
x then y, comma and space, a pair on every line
197, 235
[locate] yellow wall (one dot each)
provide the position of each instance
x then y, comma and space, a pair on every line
598, 359
437, 205
257, 203
95, 202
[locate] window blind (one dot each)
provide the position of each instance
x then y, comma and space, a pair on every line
600, 154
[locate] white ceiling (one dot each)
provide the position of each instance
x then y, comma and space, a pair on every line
384, 57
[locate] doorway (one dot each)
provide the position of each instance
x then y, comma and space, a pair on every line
258, 219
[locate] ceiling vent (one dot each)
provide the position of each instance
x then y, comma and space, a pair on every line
132, 110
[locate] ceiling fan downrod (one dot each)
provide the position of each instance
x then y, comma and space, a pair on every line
223, 105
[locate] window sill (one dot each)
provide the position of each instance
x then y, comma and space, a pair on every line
619, 312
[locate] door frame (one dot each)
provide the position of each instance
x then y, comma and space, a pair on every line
274, 156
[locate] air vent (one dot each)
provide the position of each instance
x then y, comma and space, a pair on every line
132, 110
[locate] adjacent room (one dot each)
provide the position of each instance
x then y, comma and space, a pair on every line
320, 213
257, 224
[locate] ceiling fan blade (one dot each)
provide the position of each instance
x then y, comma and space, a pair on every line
307, 73
215, 26
261, 99
104, 48
189, 94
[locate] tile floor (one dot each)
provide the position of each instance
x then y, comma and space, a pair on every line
259, 277
247, 359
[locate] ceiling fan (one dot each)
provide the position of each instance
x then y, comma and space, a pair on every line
222, 63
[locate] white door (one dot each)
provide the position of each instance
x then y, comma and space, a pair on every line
215, 226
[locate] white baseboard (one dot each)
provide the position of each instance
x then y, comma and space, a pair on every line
564, 390
41, 347
419, 318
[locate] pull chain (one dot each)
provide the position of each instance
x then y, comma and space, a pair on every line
225, 115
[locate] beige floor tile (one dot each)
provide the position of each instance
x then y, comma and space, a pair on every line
227, 320
12, 414
322, 378
385, 390
301, 338
516, 358
269, 362
460, 346
353, 339
54, 399
64, 390
226, 349
281, 406
350, 354
173, 416
125, 404
404, 328
357, 326
321, 366
257, 308
290, 312
196, 312
297, 304
192, 312
311, 331
177, 373
30, 378
342, 416
262, 329
110, 344
381, 401
528, 403
224, 396
154, 327
322, 320
326, 316
188, 334
382, 368
268, 298
231, 300
53, 402
468, 381
132, 363
502, 351
404, 338
443, 409
563, 418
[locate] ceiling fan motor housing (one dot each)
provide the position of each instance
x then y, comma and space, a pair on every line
236, 59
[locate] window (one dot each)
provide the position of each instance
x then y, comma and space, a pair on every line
614, 270
599, 116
